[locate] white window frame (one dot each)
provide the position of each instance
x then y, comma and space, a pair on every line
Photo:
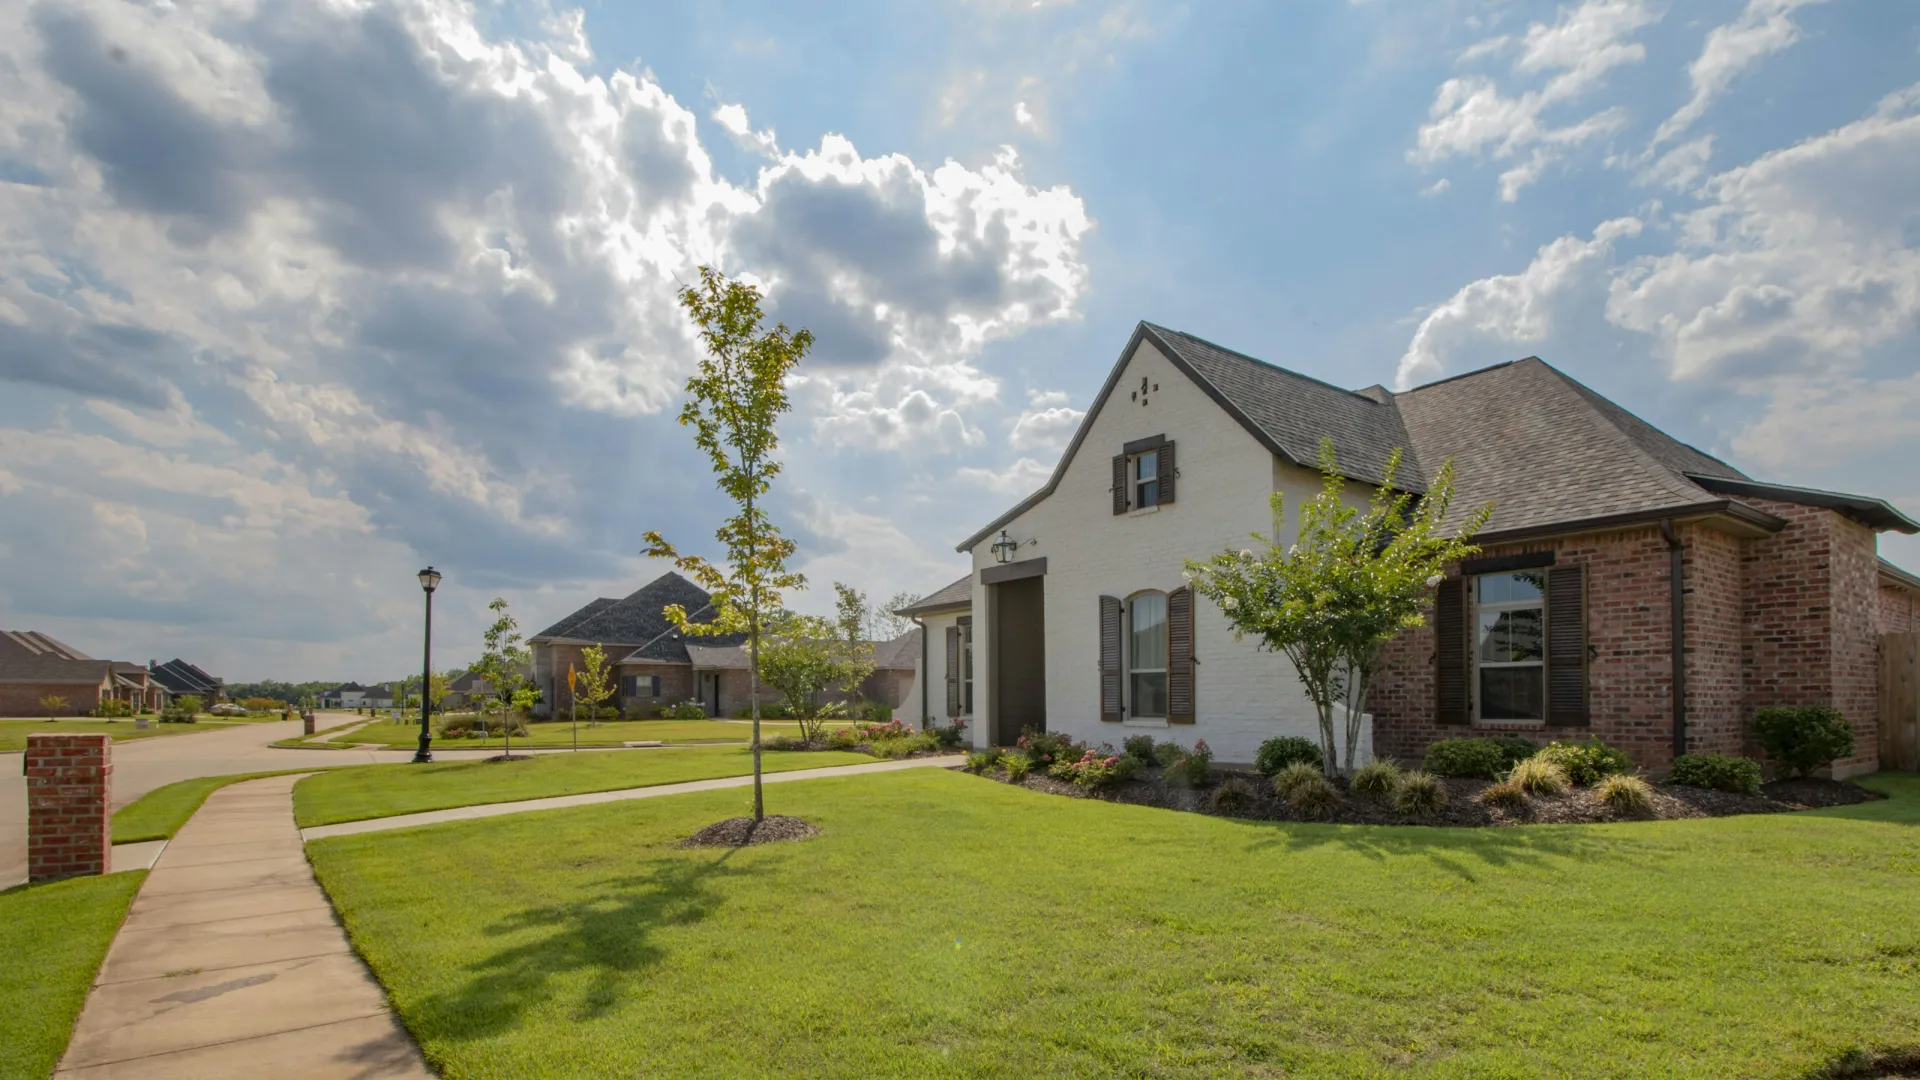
1538, 603
1129, 699
1136, 484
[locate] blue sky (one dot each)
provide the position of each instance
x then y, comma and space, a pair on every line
296, 299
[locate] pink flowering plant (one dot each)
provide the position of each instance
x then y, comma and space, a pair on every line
1091, 769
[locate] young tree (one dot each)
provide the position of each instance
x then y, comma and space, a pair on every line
805, 657
734, 401
54, 705
1349, 584
594, 683
501, 662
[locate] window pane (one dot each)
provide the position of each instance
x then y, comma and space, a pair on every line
1149, 631
1150, 693
1509, 636
1507, 588
1147, 495
1147, 465
1515, 693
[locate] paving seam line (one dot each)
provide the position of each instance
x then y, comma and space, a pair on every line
387, 1012
231, 967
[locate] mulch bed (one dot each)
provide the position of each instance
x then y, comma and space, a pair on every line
1579, 806
509, 757
741, 832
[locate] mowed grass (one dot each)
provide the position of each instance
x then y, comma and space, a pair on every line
947, 926
13, 733
159, 813
547, 735
52, 939
371, 791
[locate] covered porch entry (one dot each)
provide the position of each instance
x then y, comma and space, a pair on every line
1016, 608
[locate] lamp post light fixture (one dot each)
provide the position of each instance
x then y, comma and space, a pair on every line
429, 581
1004, 547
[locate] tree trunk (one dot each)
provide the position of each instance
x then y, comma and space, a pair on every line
753, 696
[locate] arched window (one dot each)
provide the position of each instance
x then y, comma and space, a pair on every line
1147, 654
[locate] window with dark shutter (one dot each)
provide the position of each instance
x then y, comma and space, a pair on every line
953, 671
1110, 659
1450, 656
1180, 655
1119, 484
1567, 645
653, 685
1167, 472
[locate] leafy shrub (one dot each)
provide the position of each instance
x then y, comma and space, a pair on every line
1481, 759
1233, 796
1420, 793
1016, 766
952, 735
1315, 798
1803, 737
1625, 794
877, 712
1300, 772
867, 731
1514, 749
784, 742
457, 726
111, 707
902, 746
1165, 752
1506, 795
1140, 748
842, 739
688, 710
1191, 768
262, 704
1721, 772
1539, 776
979, 761
1586, 763
1090, 770
1044, 748
1278, 753
1376, 778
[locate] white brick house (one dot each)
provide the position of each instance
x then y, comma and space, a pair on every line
1037, 619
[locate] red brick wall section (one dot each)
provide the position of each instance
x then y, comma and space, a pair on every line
23, 699
1855, 576
1899, 610
69, 795
1716, 682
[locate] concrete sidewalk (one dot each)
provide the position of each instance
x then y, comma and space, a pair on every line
230, 964
467, 813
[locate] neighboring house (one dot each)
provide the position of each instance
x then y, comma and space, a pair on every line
653, 666
463, 689
722, 674
1630, 587
348, 695
34, 666
181, 678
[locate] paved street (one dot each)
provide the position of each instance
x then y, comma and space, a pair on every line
145, 764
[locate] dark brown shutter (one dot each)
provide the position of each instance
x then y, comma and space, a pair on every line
953, 671
1180, 655
1119, 484
1110, 659
1450, 657
1567, 645
1166, 471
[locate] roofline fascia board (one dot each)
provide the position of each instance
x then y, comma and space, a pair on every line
1741, 512
938, 609
1891, 519
1902, 577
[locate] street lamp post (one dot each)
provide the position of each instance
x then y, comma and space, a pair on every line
429, 581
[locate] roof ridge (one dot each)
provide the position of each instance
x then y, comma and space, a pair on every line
1674, 481
1264, 363
1467, 375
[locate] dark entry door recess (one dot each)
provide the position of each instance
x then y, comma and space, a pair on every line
1020, 658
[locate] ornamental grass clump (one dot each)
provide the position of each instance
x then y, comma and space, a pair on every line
1587, 763
1278, 753
1376, 778
981, 761
1315, 798
1625, 794
1300, 772
1016, 766
1420, 793
1539, 776
1233, 796
1506, 795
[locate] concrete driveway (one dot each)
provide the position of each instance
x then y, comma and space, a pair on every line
144, 764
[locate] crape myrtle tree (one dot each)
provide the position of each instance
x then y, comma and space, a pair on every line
1351, 581
733, 403
806, 657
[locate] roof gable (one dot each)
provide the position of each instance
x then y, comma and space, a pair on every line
957, 594
637, 620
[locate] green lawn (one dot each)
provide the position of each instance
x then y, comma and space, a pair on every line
948, 926
371, 791
13, 733
561, 733
52, 939
159, 813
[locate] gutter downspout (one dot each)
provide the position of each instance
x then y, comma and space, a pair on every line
925, 720
1676, 573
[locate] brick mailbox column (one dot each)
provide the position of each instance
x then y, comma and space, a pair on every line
69, 800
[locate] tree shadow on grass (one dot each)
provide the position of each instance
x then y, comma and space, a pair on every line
608, 932
1458, 851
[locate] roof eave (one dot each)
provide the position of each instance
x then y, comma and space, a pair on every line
1877, 514
1747, 519
1899, 577
934, 609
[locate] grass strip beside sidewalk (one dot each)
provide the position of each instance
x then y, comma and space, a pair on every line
159, 813
53, 937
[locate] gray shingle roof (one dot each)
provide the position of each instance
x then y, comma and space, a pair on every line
183, 678
35, 643
636, 620
901, 652
48, 668
955, 595
1296, 411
